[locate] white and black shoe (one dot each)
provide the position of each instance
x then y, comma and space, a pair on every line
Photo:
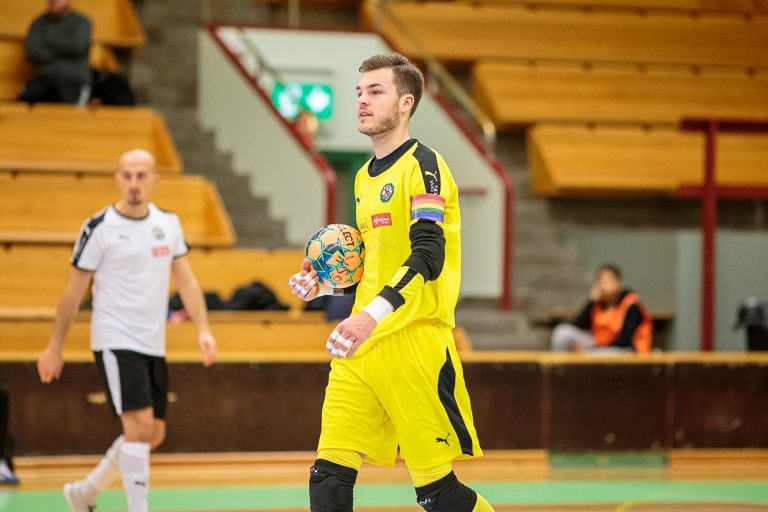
76, 501
7, 476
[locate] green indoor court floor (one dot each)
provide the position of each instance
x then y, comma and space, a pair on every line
618, 496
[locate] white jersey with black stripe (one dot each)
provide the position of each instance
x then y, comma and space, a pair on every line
131, 264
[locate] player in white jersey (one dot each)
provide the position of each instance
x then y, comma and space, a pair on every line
130, 249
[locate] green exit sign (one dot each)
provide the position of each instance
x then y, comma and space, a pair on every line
290, 97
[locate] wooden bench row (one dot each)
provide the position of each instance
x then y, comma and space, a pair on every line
691, 6
51, 208
15, 70
115, 22
64, 138
463, 32
518, 94
568, 160
274, 336
32, 278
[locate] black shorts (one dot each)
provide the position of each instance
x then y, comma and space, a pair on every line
134, 381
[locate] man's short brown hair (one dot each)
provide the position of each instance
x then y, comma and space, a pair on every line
408, 78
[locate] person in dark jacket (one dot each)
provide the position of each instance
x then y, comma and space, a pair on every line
614, 319
7, 476
58, 45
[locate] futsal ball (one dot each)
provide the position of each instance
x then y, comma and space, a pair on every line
337, 253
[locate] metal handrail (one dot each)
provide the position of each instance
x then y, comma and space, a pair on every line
439, 75
262, 67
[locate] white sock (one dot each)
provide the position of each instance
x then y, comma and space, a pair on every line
107, 470
134, 465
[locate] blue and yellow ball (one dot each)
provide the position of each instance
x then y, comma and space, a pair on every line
337, 253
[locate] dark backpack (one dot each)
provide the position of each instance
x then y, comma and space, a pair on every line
753, 315
212, 302
255, 296
111, 89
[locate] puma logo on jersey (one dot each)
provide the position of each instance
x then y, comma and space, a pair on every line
139, 482
431, 181
443, 439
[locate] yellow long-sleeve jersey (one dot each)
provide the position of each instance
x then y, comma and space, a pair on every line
407, 209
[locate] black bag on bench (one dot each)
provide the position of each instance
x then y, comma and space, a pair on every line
753, 314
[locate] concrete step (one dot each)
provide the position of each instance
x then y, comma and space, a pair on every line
490, 329
532, 210
540, 233
552, 254
534, 340
165, 76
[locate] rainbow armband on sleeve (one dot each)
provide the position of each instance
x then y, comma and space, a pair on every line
428, 207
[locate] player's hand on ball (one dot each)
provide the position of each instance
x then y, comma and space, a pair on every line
305, 284
207, 347
49, 365
350, 334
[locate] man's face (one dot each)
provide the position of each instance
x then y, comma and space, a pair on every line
58, 6
378, 104
136, 179
609, 285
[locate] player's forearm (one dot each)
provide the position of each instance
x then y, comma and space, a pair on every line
194, 303
65, 315
425, 263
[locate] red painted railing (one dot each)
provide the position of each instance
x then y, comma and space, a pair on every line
327, 174
709, 192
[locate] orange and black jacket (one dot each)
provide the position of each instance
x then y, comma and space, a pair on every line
626, 323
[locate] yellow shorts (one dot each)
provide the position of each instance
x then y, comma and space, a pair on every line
407, 390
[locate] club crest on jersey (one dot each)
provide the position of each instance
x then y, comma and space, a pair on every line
158, 233
387, 191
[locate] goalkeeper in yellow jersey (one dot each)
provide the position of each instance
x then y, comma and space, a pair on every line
396, 379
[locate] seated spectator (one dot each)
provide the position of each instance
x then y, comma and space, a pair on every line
614, 319
58, 45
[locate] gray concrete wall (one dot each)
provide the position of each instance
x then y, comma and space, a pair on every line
742, 271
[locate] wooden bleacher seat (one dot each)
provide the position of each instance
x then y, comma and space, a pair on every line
273, 340
579, 160
32, 279
461, 32
14, 69
44, 138
697, 6
288, 338
50, 209
517, 94
224, 270
115, 22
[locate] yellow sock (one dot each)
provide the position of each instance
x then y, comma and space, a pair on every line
422, 477
346, 458
482, 505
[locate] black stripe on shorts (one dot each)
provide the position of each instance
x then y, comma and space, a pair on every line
446, 386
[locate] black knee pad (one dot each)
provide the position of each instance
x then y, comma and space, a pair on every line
331, 487
446, 495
